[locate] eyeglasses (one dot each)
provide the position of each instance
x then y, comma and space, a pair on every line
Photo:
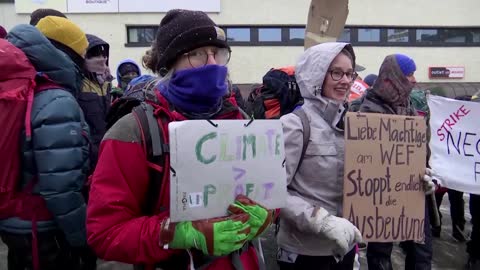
337, 75
199, 58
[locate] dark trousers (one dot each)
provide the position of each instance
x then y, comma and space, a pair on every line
473, 246
54, 252
320, 263
418, 256
457, 208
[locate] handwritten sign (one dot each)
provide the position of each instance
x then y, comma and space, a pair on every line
455, 143
211, 165
385, 158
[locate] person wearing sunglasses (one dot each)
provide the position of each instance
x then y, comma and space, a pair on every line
190, 53
312, 233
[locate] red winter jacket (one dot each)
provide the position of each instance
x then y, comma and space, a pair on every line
116, 228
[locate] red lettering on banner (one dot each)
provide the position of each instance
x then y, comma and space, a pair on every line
451, 121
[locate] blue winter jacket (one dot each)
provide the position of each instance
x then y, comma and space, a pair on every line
57, 156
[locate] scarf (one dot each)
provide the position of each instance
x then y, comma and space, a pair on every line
393, 87
197, 92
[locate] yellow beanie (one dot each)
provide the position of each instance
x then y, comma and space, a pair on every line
64, 31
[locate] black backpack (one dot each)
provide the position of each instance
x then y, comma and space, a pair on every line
278, 95
134, 101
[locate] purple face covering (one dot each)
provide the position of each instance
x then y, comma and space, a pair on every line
197, 90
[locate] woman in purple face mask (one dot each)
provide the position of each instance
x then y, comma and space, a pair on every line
190, 54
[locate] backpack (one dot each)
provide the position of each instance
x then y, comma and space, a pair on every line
138, 99
17, 84
278, 95
306, 139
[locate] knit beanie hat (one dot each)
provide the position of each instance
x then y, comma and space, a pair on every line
370, 79
65, 32
406, 64
181, 31
41, 13
3, 32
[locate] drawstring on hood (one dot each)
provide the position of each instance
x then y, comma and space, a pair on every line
310, 73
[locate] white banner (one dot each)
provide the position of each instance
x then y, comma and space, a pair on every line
166, 5
212, 164
455, 143
92, 6
116, 6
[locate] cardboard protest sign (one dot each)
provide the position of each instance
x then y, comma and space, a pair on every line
385, 158
212, 163
455, 143
326, 20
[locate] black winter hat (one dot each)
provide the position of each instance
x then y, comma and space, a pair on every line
41, 13
181, 31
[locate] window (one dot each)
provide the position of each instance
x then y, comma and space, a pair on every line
427, 35
368, 35
397, 35
457, 35
475, 36
345, 36
141, 35
296, 34
269, 34
238, 34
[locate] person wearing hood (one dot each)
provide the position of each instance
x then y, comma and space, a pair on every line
127, 70
124, 222
312, 233
390, 94
50, 233
94, 97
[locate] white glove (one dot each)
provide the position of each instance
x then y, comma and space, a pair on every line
339, 230
428, 184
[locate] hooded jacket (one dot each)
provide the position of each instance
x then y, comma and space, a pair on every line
95, 102
57, 156
390, 93
126, 61
319, 180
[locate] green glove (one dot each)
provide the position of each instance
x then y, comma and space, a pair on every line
217, 237
116, 91
260, 217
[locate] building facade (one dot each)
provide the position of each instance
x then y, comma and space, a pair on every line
443, 37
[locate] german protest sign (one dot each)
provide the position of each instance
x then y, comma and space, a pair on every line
455, 143
212, 162
385, 158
